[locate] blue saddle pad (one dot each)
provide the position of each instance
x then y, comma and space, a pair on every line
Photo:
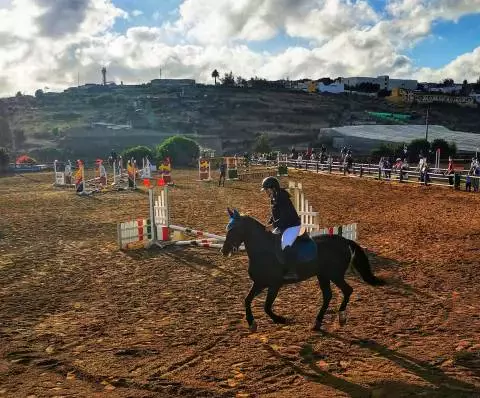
304, 250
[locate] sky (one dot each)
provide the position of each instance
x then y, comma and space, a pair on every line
49, 44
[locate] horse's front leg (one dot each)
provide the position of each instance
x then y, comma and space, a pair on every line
271, 296
255, 290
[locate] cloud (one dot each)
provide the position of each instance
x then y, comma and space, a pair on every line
431, 10
61, 17
137, 13
44, 41
466, 66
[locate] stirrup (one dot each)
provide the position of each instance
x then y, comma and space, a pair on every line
290, 275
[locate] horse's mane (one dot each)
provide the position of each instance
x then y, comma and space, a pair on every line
253, 220
257, 224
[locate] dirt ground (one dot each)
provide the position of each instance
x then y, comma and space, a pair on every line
80, 318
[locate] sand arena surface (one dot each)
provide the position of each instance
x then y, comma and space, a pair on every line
80, 318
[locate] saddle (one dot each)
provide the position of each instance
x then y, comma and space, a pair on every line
303, 250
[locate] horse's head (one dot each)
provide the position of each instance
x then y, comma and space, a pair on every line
235, 233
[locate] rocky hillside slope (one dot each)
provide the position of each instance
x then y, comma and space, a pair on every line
227, 119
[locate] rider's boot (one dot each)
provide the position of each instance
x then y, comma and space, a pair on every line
280, 254
291, 274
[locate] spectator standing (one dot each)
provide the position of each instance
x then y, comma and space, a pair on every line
223, 172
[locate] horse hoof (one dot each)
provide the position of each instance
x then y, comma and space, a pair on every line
281, 320
342, 318
253, 327
317, 327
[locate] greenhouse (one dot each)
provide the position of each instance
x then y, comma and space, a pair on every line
405, 133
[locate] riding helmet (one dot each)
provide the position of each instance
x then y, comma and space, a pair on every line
270, 182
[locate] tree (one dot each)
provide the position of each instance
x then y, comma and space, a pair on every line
448, 82
465, 90
5, 133
418, 147
241, 81
138, 153
182, 151
215, 75
441, 144
325, 80
262, 144
228, 80
39, 93
4, 159
392, 151
452, 148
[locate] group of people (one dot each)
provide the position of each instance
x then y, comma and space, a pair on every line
310, 154
472, 178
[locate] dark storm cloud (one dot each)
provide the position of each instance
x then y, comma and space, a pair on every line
61, 17
401, 61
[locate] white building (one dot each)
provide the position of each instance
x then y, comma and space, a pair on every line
384, 82
455, 89
476, 97
335, 88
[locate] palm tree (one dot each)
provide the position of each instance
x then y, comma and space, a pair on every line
215, 75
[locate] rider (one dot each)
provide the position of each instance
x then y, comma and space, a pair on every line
285, 221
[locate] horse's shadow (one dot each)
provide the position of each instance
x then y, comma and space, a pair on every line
443, 385
317, 375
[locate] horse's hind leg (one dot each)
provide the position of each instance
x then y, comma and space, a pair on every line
271, 296
327, 296
347, 292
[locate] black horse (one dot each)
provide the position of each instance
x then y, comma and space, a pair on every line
327, 257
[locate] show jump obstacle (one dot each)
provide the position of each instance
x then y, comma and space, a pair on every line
239, 169
165, 170
204, 171
63, 178
158, 231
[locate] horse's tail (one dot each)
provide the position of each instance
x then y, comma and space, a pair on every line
362, 265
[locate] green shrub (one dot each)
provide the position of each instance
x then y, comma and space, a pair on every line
262, 144
392, 151
138, 153
446, 149
182, 151
418, 147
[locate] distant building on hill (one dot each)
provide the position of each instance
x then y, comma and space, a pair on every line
384, 82
334, 88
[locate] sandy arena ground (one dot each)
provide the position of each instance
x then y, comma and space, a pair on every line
80, 318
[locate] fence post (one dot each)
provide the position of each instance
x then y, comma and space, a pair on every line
379, 173
361, 171
317, 166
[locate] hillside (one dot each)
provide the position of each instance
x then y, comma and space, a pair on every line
226, 119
